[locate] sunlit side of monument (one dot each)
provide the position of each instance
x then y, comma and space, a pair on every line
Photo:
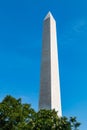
49, 79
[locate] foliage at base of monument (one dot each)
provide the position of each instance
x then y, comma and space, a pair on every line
17, 116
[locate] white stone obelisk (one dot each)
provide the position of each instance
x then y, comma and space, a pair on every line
49, 79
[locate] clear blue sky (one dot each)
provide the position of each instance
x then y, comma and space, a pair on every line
21, 24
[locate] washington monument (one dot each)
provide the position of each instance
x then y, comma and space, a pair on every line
49, 79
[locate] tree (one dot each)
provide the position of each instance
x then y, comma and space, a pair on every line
48, 120
13, 114
17, 116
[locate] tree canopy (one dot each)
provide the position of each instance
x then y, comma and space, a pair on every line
14, 115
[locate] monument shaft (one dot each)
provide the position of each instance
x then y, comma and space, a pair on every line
49, 82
